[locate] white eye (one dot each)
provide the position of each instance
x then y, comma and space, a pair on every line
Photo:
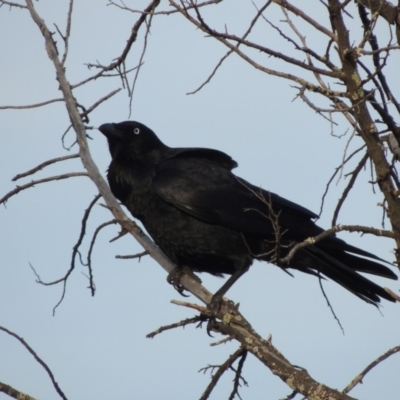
136, 131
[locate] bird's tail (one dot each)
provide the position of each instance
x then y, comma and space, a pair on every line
343, 267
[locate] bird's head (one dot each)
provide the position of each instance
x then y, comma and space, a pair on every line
131, 141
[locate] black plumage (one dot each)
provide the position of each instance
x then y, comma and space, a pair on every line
206, 218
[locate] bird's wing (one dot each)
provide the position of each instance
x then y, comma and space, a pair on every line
214, 195
208, 155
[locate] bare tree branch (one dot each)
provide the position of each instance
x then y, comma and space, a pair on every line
89, 255
14, 393
309, 86
44, 103
359, 378
183, 323
138, 255
221, 369
38, 360
349, 186
42, 165
45, 180
12, 4
98, 102
338, 228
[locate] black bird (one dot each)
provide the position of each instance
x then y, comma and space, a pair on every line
204, 217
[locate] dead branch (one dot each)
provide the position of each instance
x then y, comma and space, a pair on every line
124, 7
75, 249
290, 60
348, 188
67, 32
222, 341
238, 377
359, 378
98, 102
45, 180
182, 323
42, 165
132, 38
337, 169
380, 50
337, 228
363, 117
89, 255
143, 52
296, 11
214, 71
221, 369
308, 85
201, 309
373, 41
320, 279
38, 360
130, 257
101, 74
11, 4
16, 394
36, 105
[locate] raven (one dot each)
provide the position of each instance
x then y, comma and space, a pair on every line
204, 217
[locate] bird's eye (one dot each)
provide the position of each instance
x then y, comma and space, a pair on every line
136, 131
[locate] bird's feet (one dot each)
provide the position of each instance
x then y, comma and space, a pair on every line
215, 304
174, 278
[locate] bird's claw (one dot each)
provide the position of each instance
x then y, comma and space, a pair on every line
174, 278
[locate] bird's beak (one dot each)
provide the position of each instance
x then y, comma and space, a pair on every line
111, 132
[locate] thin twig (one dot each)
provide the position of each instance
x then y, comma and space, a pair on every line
98, 102
221, 369
89, 255
349, 186
45, 180
238, 376
359, 378
11, 4
38, 359
144, 48
67, 32
182, 323
36, 105
338, 228
214, 71
75, 249
320, 278
337, 169
311, 87
130, 257
42, 165
124, 7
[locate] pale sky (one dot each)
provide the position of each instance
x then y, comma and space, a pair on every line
96, 346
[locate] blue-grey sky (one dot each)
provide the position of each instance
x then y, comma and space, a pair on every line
96, 346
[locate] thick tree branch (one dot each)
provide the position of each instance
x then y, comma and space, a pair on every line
364, 120
14, 393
